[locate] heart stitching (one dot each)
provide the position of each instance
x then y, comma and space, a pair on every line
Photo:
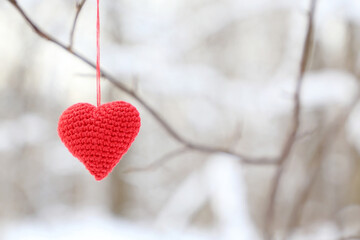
99, 136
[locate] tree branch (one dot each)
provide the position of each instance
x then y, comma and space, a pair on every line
317, 161
289, 143
169, 129
79, 7
158, 163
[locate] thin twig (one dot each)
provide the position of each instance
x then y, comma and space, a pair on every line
317, 162
79, 7
170, 130
289, 143
160, 162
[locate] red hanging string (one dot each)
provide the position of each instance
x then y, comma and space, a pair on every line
98, 72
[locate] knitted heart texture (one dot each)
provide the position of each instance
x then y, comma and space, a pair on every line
99, 136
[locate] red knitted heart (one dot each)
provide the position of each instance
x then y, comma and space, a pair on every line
99, 136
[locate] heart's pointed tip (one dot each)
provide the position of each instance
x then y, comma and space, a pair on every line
99, 174
101, 177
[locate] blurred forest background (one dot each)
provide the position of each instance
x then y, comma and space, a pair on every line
223, 76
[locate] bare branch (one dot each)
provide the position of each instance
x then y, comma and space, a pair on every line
160, 162
170, 130
289, 143
317, 162
79, 7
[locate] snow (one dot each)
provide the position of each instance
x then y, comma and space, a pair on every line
27, 129
88, 226
320, 231
227, 190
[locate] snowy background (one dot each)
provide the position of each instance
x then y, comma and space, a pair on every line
222, 73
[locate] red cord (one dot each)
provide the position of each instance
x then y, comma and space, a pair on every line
98, 72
